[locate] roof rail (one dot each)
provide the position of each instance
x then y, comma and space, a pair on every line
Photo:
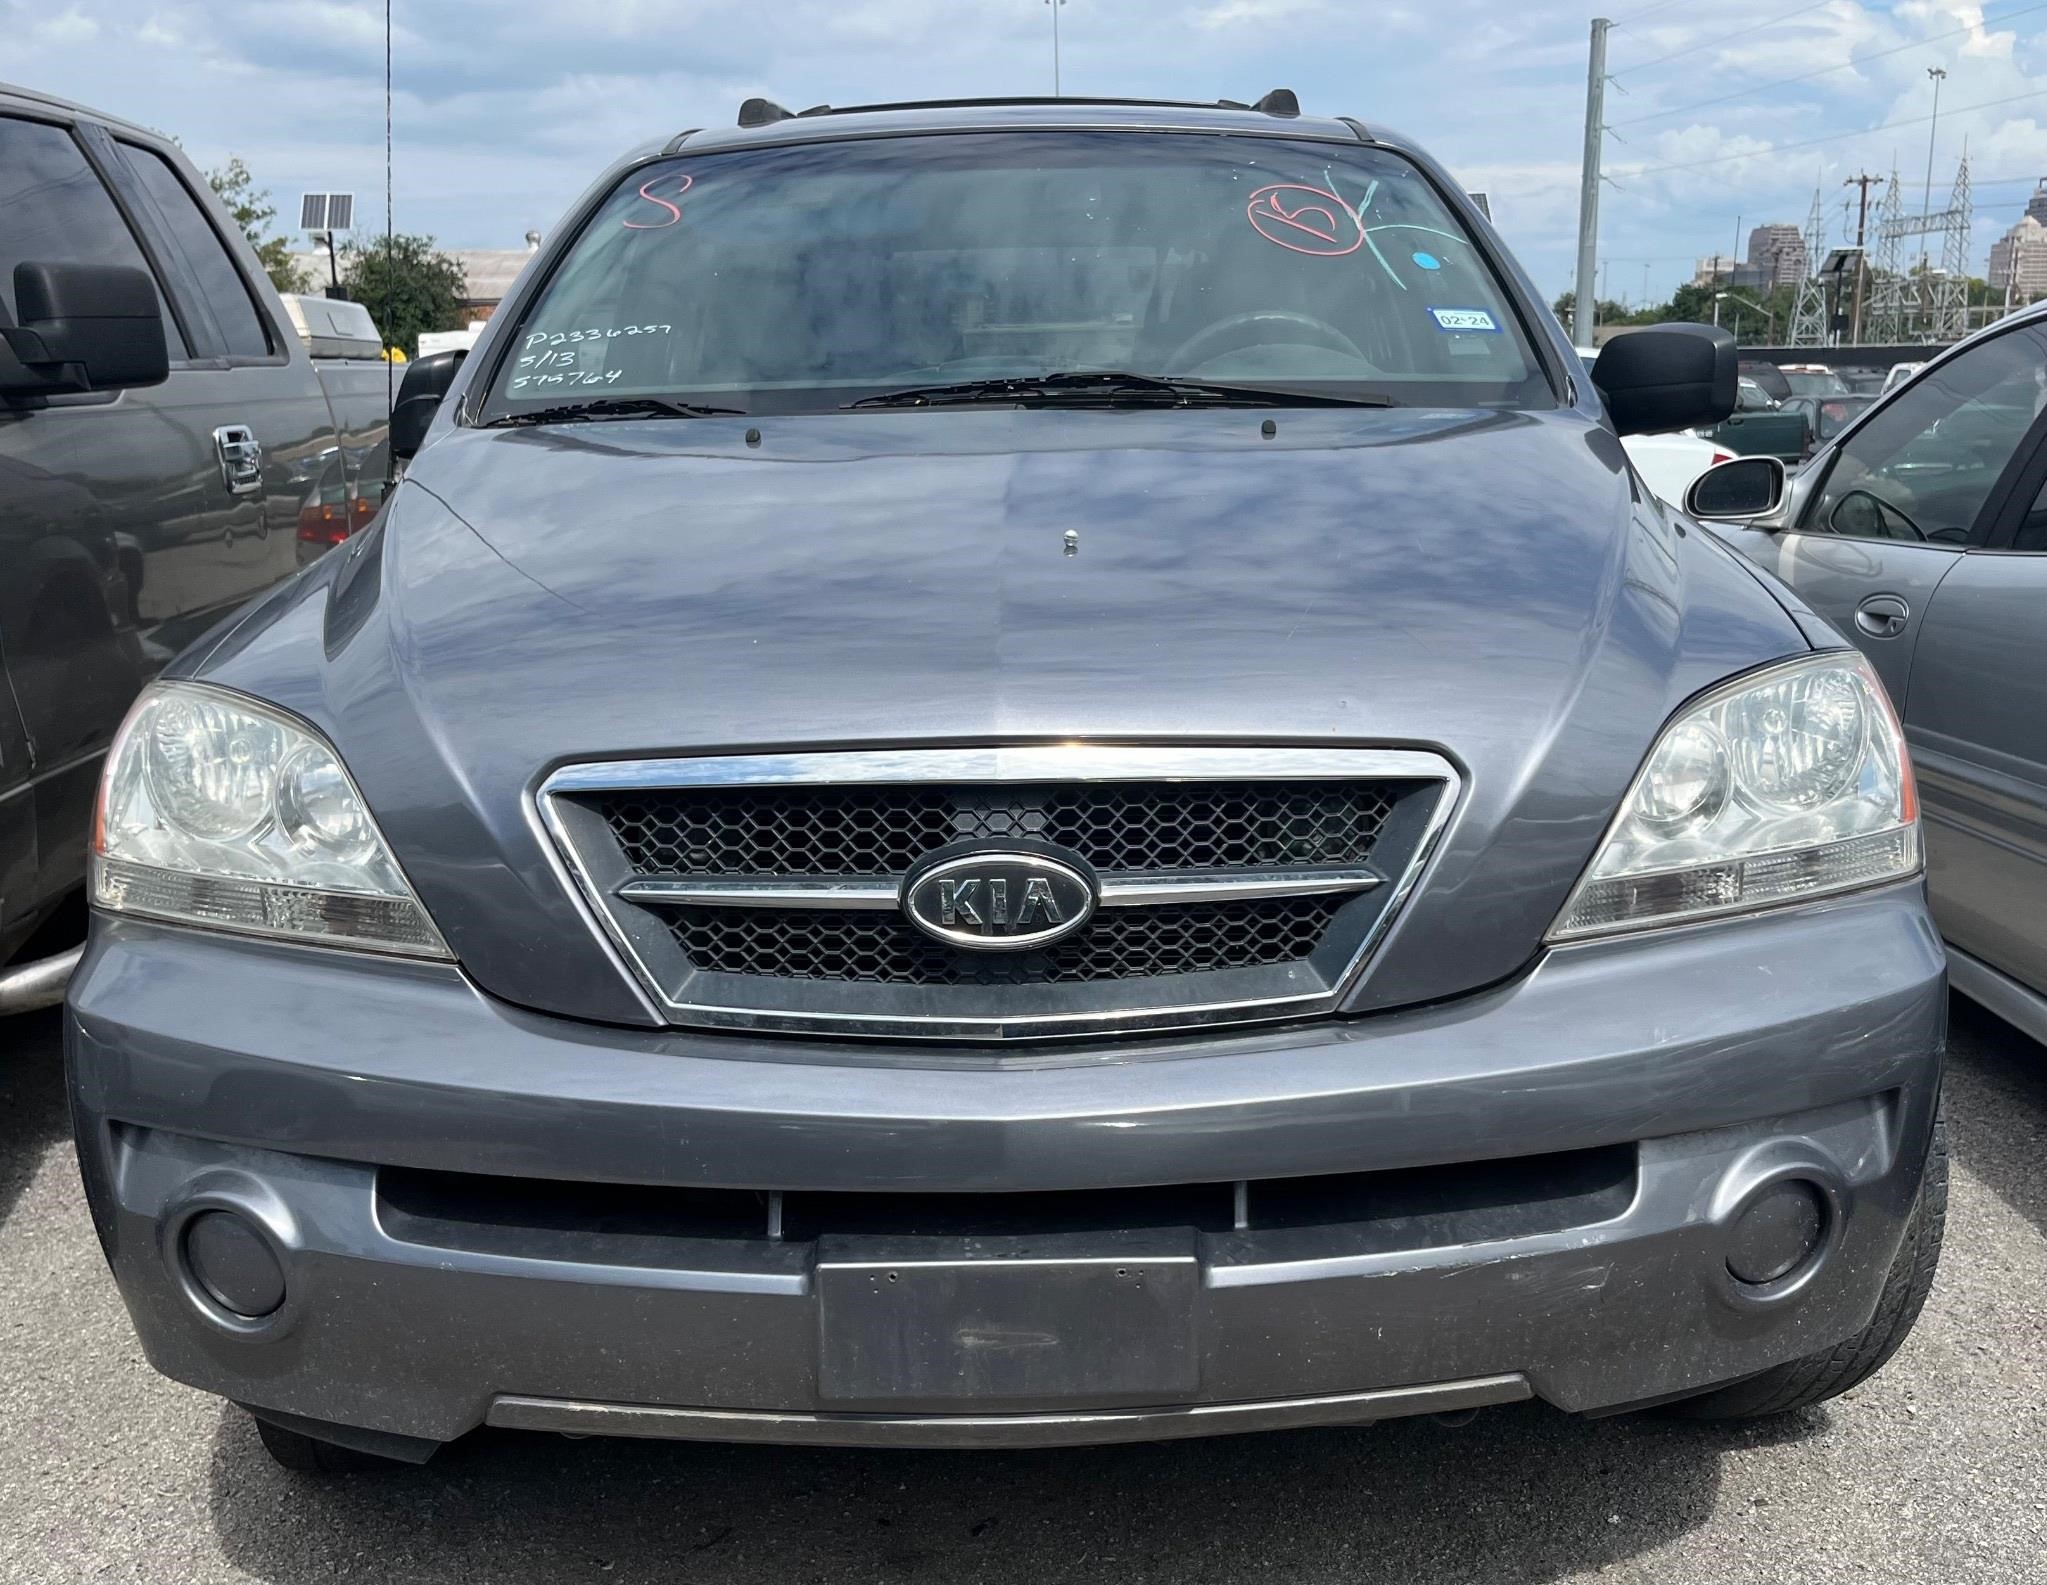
758, 112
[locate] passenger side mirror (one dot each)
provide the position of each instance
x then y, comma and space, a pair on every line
1736, 491
84, 327
1667, 377
419, 398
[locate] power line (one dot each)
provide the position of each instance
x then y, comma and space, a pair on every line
1645, 11
1821, 71
1831, 137
1756, 27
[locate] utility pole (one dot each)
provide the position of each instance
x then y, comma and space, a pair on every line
1584, 301
1863, 182
1055, 5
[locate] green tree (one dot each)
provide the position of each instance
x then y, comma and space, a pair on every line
1691, 303
407, 284
1605, 310
253, 211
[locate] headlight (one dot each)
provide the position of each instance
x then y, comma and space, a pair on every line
218, 811
1787, 785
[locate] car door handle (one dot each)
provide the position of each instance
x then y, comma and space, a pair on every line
241, 458
1883, 616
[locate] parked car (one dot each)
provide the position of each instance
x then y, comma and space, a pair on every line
1920, 532
1811, 379
1899, 374
1768, 377
1760, 426
146, 490
1825, 417
1669, 462
989, 786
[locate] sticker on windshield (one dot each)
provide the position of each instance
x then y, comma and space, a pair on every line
1462, 319
1304, 219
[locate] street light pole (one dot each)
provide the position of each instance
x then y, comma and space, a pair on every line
1584, 304
1055, 5
1939, 76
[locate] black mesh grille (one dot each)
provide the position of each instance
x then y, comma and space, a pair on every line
885, 830
1118, 943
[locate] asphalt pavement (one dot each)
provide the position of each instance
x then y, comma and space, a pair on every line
1936, 1471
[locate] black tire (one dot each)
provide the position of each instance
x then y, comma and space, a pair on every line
309, 1455
1818, 1377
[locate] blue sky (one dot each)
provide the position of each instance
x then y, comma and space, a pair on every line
506, 108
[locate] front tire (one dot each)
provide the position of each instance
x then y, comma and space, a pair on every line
1818, 1377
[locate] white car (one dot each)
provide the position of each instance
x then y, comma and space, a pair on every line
1668, 463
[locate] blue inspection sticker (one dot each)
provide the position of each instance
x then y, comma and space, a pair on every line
1458, 320
1428, 261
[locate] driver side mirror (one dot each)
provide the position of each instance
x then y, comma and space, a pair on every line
419, 398
1734, 492
1668, 377
84, 327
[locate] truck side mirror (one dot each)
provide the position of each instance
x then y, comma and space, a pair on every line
1668, 377
85, 327
1736, 491
419, 398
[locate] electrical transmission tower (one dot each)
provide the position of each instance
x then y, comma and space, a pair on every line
1933, 305
1951, 292
1809, 327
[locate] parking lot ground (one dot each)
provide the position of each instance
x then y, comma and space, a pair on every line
1934, 1472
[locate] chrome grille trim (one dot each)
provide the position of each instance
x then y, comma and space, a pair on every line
1042, 763
1150, 890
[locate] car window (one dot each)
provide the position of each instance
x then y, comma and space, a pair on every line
1922, 467
801, 277
219, 282
54, 210
2032, 529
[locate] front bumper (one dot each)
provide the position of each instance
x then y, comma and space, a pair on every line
1527, 1191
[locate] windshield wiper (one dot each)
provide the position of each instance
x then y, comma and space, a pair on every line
614, 407
1112, 385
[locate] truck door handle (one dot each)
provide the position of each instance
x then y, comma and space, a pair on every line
241, 458
1883, 616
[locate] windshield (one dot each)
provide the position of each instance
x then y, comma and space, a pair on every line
803, 277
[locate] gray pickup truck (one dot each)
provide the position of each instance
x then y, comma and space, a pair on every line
137, 508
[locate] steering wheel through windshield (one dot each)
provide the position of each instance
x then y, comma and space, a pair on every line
1258, 328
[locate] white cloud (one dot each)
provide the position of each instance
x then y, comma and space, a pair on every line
505, 109
66, 30
1255, 13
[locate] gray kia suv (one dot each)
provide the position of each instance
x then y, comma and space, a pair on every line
1015, 773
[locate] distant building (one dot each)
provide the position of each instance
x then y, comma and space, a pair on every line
1717, 272
1776, 257
2018, 259
490, 273
1714, 270
2036, 209
487, 272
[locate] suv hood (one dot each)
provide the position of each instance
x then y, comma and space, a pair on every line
1483, 584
